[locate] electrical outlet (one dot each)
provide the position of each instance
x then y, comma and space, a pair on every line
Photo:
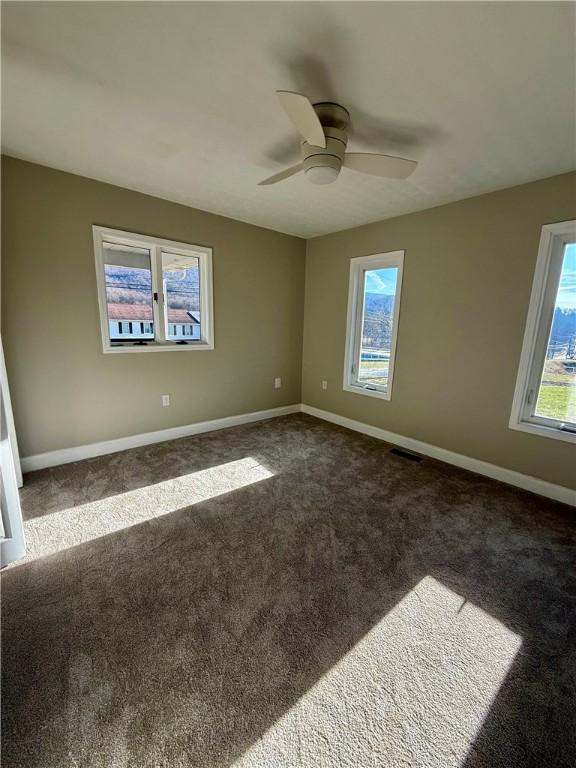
165, 400
324, 384
277, 383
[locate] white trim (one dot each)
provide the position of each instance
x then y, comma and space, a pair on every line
8, 416
168, 346
158, 303
528, 483
12, 541
552, 241
544, 430
509, 476
156, 246
67, 455
354, 321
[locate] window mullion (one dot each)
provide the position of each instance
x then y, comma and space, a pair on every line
158, 304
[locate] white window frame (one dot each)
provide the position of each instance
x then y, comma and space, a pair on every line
156, 246
553, 240
358, 266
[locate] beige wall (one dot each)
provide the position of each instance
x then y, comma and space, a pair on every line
467, 279
65, 391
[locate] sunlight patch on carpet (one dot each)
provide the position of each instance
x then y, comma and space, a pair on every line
70, 527
413, 691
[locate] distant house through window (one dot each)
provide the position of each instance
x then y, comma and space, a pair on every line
545, 397
153, 294
373, 308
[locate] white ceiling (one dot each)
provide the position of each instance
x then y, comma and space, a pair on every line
177, 99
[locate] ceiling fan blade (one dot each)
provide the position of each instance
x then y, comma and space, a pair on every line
285, 174
380, 165
303, 117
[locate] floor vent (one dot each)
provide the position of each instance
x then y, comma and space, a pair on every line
406, 454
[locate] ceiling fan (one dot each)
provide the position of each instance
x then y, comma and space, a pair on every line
323, 127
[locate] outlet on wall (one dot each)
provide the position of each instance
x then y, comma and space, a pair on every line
324, 384
165, 400
277, 383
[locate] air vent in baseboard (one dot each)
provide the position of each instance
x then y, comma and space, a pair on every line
406, 454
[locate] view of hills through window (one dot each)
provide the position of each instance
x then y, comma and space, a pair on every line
129, 294
181, 277
557, 393
377, 320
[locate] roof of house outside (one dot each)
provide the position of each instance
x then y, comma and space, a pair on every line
143, 313
138, 312
183, 316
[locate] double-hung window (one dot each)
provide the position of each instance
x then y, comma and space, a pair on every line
153, 294
545, 396
372, 326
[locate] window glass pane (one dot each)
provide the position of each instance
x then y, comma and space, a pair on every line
377, 320
128, 280
181, 275
557, 393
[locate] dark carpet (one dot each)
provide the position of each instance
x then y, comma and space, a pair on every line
287, 593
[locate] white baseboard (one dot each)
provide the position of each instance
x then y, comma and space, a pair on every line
67, 455
528, 483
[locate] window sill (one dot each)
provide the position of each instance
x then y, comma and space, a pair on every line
543, 431
369, 392
154, 347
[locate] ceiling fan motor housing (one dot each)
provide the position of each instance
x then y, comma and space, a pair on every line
320, 165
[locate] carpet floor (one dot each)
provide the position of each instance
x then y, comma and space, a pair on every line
287, 594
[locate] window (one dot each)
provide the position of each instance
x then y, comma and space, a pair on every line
154, 295
373, 307
545, 397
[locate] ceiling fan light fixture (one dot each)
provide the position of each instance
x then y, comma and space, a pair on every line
323, 166
322, 174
